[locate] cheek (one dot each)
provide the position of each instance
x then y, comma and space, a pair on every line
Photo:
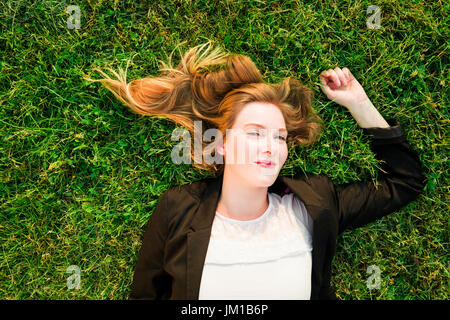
283, 153
251, 150
244, 151
280, 151
239, 150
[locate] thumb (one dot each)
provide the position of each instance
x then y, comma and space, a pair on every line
325, 88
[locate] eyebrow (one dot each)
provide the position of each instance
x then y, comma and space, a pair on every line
261, 126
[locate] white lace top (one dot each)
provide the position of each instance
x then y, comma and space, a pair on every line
265, 258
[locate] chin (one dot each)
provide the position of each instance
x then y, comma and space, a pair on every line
266, 179
256, 177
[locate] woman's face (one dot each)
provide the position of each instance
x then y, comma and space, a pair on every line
258, 135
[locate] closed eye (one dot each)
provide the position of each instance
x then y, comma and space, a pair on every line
258, 134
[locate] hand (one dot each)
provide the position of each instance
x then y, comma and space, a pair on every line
341, 87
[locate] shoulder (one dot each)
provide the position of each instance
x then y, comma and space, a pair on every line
180, 199
312, 188
308, 179
190, 191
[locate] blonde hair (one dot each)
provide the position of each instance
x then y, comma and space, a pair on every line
214, 86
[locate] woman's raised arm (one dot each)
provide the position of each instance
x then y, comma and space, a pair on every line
402, 179
341, 86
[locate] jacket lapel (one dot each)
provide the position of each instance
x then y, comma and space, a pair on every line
199, 234
200, 230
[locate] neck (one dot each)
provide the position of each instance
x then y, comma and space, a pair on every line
241, 201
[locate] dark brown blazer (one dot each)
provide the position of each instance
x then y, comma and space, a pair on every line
171, 259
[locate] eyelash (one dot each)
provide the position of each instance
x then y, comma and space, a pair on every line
282, 138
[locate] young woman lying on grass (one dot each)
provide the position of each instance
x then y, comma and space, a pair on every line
249, 233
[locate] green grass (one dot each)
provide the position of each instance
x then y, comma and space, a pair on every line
80, 174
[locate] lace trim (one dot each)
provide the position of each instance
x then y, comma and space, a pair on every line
229, 252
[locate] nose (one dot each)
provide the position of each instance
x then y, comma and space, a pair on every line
268, 144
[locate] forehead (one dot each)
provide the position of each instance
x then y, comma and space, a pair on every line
265, 114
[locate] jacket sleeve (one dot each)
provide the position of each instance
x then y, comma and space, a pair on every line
150, 280
360, 203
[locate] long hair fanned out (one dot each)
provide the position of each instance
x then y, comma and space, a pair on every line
213, 86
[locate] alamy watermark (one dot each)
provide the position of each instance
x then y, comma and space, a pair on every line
74, 19
374, 281
373, 22
74, 281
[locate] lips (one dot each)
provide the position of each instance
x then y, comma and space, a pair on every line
266, 164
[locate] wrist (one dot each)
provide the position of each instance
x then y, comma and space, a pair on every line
362, 104
367, 116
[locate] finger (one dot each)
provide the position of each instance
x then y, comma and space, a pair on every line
345, 72
325, 74
341, 76
348, 74
326, 89
334, 77
323, 80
